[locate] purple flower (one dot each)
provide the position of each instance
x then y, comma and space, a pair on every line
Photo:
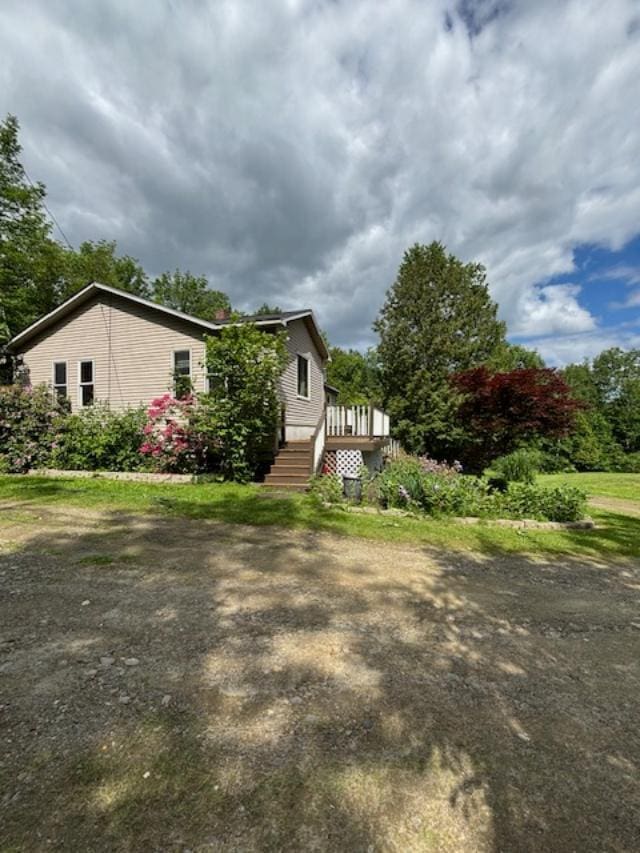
403, 493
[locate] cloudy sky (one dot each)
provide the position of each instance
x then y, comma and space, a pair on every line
292, 149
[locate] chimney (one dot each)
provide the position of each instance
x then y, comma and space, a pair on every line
221, 314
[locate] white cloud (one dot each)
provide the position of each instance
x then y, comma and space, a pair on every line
293, 150
575, 348
621, 272
551, 309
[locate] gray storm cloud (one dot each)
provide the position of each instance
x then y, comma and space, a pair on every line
292, 150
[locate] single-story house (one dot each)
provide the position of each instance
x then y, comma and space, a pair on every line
104, 344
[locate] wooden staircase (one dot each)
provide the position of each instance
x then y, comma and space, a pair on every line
292, 467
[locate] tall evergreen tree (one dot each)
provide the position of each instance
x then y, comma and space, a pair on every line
438, 318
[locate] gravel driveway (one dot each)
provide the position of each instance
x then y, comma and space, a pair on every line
188, 685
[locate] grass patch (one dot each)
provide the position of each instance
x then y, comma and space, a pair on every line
617, 535
622, 486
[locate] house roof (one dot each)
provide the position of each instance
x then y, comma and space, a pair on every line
283, 318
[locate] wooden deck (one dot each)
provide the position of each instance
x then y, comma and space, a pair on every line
354, 442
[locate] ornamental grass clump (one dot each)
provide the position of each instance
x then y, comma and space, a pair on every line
521, 466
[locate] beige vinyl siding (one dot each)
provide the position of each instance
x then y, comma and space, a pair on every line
302, 415
131, 346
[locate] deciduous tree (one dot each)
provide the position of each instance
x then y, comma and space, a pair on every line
244, 367
356, 376
100, 262
31, 262
501, 411
189, 293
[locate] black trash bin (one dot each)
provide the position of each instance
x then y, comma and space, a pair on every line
352, 488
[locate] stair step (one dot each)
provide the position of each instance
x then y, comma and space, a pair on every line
294, 458
287, 477
290, 467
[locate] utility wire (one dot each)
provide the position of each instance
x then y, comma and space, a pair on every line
44, 204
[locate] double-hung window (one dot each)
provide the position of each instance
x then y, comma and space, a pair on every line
182, 373
303, 376
86, 380
60, 378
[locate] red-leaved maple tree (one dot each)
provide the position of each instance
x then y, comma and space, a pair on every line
500, 411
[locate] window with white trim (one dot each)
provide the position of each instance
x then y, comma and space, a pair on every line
86, 379
303, 377
60, 378
181, 372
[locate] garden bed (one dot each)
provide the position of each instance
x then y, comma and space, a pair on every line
584, 524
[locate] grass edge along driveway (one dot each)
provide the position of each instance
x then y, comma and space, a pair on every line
617, 534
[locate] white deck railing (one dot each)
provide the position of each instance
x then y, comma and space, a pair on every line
357, 420
317, 450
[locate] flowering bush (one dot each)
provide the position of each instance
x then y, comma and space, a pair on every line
30, 424
97, 439
432, 466
177, 438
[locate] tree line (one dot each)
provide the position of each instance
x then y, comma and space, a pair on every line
455, 387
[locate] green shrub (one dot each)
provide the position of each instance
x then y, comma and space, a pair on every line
326, 488
30, 421
521, 466
405, 483
524, 500
244, 367
98, 439
627, 463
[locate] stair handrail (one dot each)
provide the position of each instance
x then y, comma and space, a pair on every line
317, 443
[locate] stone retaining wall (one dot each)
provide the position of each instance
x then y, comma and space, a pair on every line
131, 476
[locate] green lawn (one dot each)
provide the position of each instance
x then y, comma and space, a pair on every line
622, 486
617, 534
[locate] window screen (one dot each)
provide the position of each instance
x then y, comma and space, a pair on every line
60, 378
86, 383
303, 376
182, 372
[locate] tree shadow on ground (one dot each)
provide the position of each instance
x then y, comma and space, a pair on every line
300, 691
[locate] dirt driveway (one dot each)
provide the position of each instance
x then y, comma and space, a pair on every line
182, 685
